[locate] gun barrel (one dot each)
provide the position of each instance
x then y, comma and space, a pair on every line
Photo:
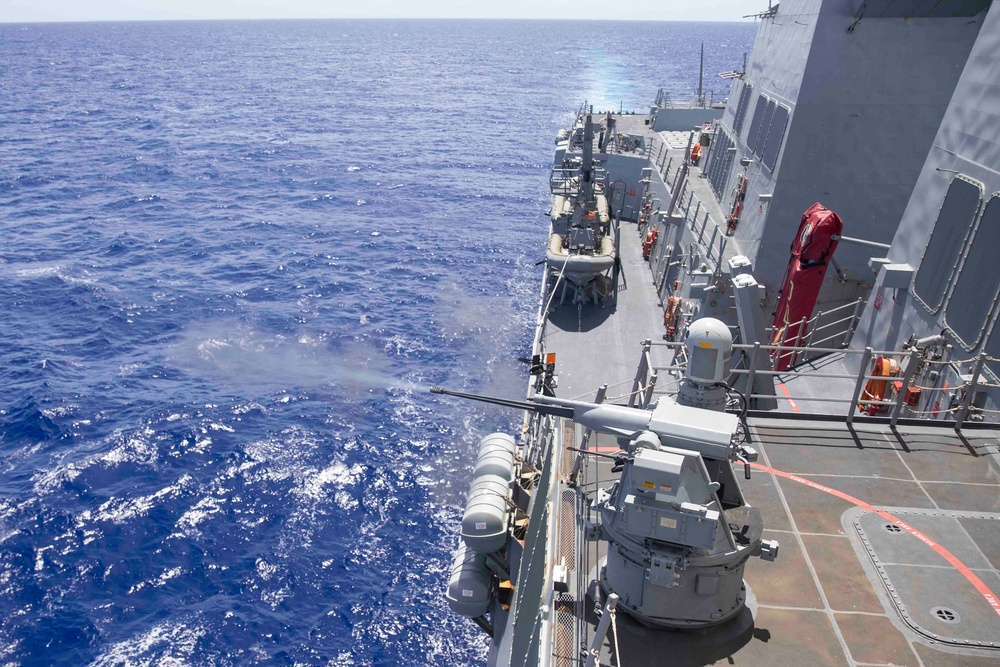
545, 409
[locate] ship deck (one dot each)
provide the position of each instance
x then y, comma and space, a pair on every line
850, 586
598, 345
884, 531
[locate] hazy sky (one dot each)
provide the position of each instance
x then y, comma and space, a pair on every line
108, 10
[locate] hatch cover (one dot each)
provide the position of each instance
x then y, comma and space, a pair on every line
925, 590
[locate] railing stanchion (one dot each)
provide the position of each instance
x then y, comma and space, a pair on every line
647, 396
911, 368
602, 393
866, 359
752, 371
798, 341
640, 373
602, 630
970, 392
854, 320
812, 330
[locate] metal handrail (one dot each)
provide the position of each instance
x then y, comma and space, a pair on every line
965, 388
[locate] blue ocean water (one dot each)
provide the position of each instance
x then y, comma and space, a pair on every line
234, 256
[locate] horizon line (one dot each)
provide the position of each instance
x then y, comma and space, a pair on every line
744, 19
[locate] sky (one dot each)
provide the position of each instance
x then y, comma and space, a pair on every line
143, 10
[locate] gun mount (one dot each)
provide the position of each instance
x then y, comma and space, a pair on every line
678, 530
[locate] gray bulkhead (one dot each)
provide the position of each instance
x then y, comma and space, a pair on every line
966, 147
863, 107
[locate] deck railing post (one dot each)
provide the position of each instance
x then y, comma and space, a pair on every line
602, 631
752, 372
647, 396
640, 373
970, 393
854, 321
866, 360
812, 330
602, 393
911, 368
798, 341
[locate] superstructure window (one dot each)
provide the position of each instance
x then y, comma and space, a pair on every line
755, 124
765, 123
954, 222
723, 153
775, 134
741, 108
978, 284
992, 349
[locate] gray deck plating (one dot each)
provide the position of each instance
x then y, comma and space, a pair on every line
823, 602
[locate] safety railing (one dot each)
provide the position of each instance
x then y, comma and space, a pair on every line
834, 327
532, 608
706, 229
922, 387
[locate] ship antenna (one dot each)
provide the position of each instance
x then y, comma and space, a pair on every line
587, 185
701, 73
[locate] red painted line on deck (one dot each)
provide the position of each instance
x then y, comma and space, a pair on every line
784, 390
977, 583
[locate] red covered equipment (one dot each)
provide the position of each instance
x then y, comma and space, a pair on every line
811, 252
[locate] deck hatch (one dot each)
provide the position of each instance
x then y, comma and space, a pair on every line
921, 587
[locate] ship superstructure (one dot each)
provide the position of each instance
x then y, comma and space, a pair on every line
675, 436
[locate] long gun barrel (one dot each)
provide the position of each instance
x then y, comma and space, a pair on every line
554, 410
680, 426
616, 420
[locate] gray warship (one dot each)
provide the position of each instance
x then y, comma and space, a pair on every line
778, 441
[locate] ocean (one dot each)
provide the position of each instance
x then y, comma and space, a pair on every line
235, 255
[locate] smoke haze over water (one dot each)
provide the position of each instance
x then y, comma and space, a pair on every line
235, 254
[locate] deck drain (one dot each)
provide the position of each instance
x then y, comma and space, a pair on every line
946, 615
893, 528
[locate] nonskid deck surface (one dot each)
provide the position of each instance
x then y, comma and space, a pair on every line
850, 586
